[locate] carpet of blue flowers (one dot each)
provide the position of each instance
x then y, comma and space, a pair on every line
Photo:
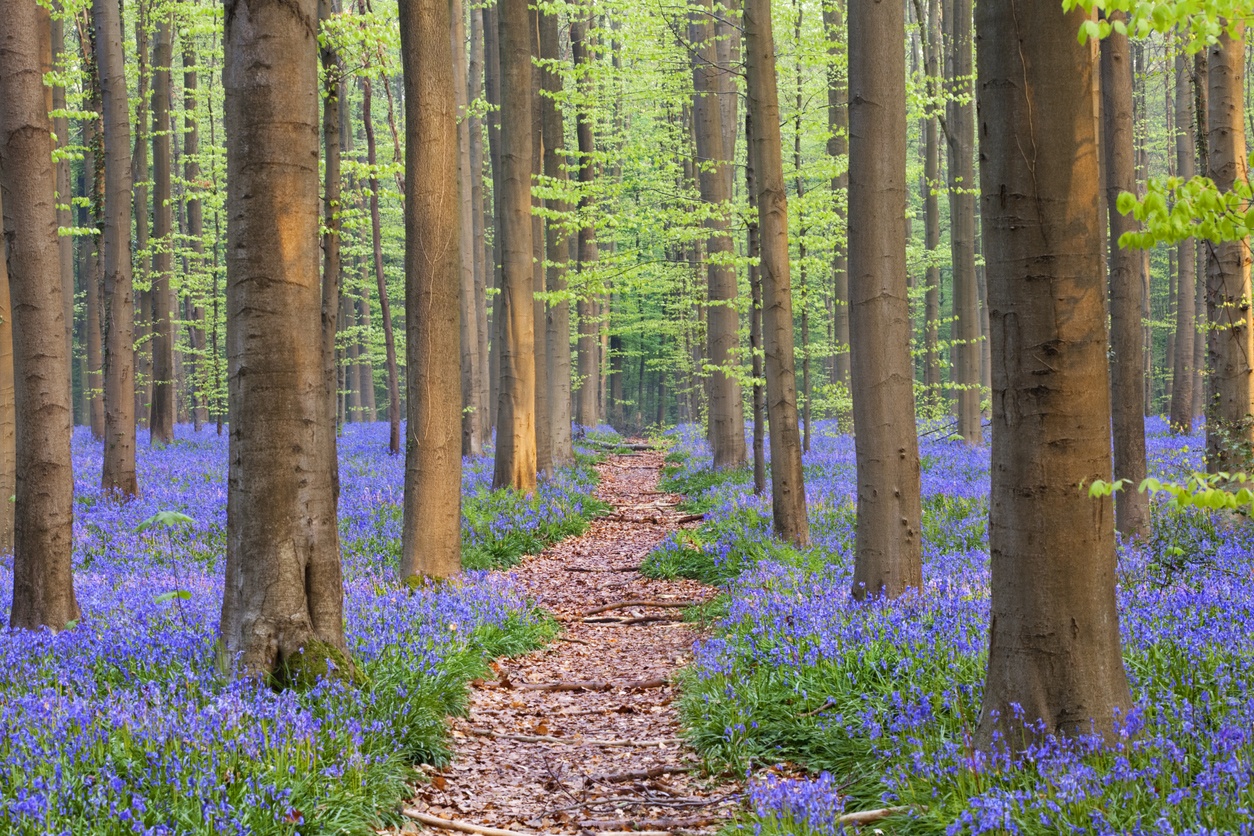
852, 706
122, 724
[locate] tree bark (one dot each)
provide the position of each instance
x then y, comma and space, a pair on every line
1229, 426
483, 210
43, 506
966, 366
118, 471
141, 255
435, 280
330, 297
837, 147
492, 90
788, 495
1126, 335
8, 414
1054, 649
1201, 110
471, 364
198, 372
586, 406
515, 464
753, 249
889, 554
710, 87
557, 246
282, 609
544, 427
162, 415
385, 308
92, 264
65, 218
931, 207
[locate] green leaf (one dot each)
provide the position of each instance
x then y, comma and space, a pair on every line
180, 594
164, 519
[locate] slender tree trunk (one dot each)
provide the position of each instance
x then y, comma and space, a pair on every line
43, 508
385, 308
710, 87
283, 601
931, 208
788, 495
889, 508
492, 89
483, 259
471, 365
331, 297
516, 426
162, 415
838, 147
1201, 111
91, 275
8, 414
1229, 427
118, 472
586, 413
195, 230
544, 426
1054, 651
65, 220
557, 241
434, 249
141, 256
753, 246
1126, 336
961, 133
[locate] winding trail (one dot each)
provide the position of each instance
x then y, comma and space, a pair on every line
597, 751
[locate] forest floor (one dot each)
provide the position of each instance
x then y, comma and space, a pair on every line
582, 736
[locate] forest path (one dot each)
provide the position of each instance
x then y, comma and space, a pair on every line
540, 754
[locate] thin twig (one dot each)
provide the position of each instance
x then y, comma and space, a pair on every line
460, 826
639, 602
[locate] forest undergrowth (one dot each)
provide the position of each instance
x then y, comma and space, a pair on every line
123, 724
838, 706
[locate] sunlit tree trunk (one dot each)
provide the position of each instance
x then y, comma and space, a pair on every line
1127, 375
788, 495
1186, 262
330, 296
516, 424
586, 406
1054, 648
282, 610
888, 559
544, 427
162, 415
434, 282
118, 472
43, 492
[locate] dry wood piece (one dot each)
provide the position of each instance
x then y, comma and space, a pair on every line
588, 741
869, 816
459, 826
640, 602
652, 824
687, 518
819, 710
599, 685
641, 774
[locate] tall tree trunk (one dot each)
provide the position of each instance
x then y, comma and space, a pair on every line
434, 210
492, 90
483, 259
1054, 651
557, 245
141, 256
385, 308
43, 508
931, 207
65, 220
1126, 337
1229, 427
788, 495
1201, 111
544, 427
195, 231
516, 425
331, 296
8, 414
586, 413
118, 472
837, 147
471, 362
92, 264
753, 247
961, 133
283, 601
889, 554
710, 86
161, 418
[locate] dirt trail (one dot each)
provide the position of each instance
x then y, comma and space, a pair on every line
589, 761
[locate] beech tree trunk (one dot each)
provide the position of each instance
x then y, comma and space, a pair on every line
1201, 111
1229, 426
710, 86
331, 300
1127, 374
544, 427
385, 307
1181, 417
92, 265
118, 471
484, 261
43, 506
471, 362
557, 246
837, 147
434, 210
162, 415
515, 464
586, 404
8, 414
1054, 648
282, 609
931, 208
966, 364
141, 255
65, 218
788, 495
492, 90
198, 372
889, 557
753, 247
